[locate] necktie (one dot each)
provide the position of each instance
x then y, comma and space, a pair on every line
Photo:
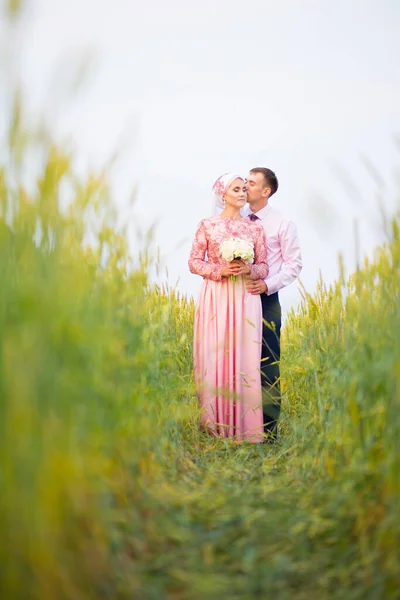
253, 217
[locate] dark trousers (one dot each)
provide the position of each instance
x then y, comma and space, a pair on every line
270, 357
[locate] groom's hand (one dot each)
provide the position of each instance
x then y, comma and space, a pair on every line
257, 286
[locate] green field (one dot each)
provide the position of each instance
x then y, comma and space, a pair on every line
108, 490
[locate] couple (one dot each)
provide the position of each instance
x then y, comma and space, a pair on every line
236, 346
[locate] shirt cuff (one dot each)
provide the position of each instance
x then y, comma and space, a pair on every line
272, 285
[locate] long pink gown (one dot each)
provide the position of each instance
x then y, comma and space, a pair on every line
228, 332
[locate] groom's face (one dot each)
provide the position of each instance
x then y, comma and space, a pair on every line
256, 188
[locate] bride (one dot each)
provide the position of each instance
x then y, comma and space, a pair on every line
228, 320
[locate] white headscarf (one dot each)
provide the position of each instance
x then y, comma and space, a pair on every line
219, 188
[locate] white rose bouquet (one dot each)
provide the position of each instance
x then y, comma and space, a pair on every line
237, 249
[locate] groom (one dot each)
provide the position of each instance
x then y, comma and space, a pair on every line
285, 264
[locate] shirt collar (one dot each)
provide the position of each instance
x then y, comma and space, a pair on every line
261, 214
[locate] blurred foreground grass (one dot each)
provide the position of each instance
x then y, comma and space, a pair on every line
108, 490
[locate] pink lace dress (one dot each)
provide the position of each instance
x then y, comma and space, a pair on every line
227, 332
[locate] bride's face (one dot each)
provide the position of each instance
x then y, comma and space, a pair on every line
236, 195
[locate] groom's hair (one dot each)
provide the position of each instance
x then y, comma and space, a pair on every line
270, 178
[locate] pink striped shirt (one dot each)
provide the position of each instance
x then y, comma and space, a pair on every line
283, 248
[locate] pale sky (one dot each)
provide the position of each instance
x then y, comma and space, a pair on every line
305, 87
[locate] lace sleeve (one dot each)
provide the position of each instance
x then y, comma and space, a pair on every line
259, 269
197, 264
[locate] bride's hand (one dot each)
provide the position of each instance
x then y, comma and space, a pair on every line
230, 269
235, 267
244, 268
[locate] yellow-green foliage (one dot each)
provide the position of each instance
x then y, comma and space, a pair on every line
109, 490
83, 347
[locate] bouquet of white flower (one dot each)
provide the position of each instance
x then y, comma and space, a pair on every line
235, 248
